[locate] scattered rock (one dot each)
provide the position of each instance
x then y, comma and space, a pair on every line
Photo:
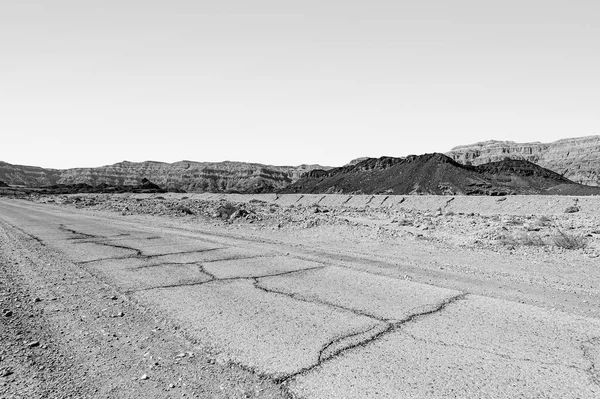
532, 228
225, 211
240, 213
144, 377
6, 372
33, 344
184, 209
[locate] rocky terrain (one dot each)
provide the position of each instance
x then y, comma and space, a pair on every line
437, 174
567, 227
185, 176
578, 159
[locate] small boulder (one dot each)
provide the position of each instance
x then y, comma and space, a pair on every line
240, 213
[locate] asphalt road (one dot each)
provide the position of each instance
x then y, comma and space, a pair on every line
322, 329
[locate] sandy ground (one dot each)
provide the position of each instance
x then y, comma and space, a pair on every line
72, 332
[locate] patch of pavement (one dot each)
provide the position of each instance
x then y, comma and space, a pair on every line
477, 347
93, 252
386, 299
398, 366
510, 330
128, 279
272, 334
257, 266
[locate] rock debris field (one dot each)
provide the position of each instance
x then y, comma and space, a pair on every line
538, 223
299, 296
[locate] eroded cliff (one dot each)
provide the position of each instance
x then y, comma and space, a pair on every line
184, 175
578, 159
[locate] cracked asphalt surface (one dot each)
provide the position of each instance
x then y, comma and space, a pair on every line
316, 328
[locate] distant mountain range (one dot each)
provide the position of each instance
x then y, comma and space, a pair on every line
487, 168
179, 176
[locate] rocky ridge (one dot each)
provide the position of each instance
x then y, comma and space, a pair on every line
578, 159
438, 174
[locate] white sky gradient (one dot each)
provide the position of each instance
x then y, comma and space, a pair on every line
90, 83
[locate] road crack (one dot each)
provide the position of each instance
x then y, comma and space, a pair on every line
301, 298
142, 256
330, 352
214, 279
83, 236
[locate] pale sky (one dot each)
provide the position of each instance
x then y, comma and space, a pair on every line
90, 83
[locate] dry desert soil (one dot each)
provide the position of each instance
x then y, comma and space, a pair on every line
299, 296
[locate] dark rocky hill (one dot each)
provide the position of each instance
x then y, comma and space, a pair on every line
438, 174
145, 186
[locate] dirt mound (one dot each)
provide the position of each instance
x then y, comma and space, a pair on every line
438, 174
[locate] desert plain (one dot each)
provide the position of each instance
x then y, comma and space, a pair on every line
299, 296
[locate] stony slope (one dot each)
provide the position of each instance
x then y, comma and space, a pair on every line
185, 175
438, 174
578, 159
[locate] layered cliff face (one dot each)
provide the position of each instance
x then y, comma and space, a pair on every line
20, 175
578, 159
185, 175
